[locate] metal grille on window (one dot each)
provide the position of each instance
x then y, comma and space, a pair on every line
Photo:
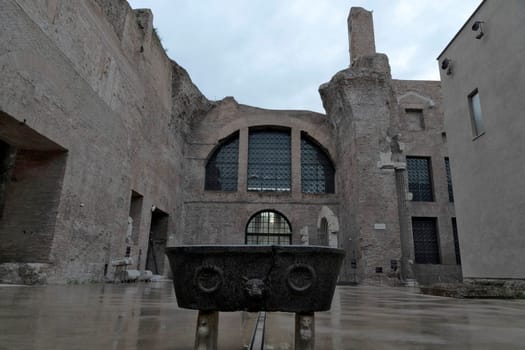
425, 240
269, 161
456, 241
419, 179
449, 181
221, 170
317, 171
268, 227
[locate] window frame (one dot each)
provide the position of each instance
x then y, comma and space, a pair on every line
430, 179
417, 242
214, 153
268, 234
259, 187
329, 182
457, 249
476, 114
450, 186
421, 118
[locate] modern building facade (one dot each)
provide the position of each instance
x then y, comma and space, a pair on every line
483, 84
108, 150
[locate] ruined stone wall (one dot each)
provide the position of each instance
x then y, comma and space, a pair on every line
92, 77
375, 134
428, 139
360, 100
374, 139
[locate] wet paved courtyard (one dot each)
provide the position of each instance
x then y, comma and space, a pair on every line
146, 316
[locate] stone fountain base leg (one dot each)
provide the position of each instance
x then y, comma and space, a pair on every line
304, 331
207, 330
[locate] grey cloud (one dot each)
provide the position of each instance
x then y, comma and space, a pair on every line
274, 54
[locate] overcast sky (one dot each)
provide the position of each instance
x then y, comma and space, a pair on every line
275, 53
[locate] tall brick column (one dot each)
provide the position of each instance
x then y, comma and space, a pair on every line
361, 33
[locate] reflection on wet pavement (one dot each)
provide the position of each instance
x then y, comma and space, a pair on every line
146, 316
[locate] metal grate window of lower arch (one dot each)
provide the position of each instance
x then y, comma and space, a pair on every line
222, 168
317, 171
269, 160
268, 227
426, 247
419, 179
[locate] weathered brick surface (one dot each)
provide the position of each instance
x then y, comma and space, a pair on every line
90, 79
373, 139
212, 217
28, 222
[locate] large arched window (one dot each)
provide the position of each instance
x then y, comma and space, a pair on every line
269, 163
222, 167
317, 171
269, 160
268, 227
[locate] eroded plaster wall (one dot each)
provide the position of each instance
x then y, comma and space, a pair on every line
487, 167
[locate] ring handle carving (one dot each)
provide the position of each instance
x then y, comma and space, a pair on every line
300, 277
209, 278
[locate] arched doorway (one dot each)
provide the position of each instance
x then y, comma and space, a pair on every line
323, 232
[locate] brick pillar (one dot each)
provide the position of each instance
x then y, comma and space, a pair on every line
361, 33
242, 175
296, 163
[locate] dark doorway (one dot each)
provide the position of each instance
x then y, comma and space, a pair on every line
135, 214
323, 233
7, 163
157, 242
30, 187
32, 170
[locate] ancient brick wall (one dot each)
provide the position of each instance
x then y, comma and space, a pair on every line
219, 217
93, 78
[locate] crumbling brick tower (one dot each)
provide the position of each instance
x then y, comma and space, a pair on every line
362, 106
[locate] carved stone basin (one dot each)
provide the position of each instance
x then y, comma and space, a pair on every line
255, 278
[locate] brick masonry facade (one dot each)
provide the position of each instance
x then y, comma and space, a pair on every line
104, 116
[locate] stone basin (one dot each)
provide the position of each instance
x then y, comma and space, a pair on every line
255, 278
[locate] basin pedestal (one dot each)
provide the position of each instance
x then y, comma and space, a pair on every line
207, 330
304, 331
298, 279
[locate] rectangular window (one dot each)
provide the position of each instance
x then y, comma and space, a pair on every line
449, 180
475, 113
426, 246
456, 240
420, 179
269, 160
414, 119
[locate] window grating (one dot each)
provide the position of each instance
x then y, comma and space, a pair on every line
425, 240
456, 241
317, 171
222, 168
268, 227
269, 161
419, 179
449, 181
